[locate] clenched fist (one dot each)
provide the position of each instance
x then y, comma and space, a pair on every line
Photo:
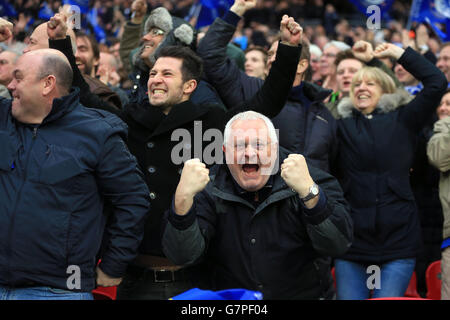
240, 7
291, 31
388, 50
6, 29
363, 50
194, 178
295, 173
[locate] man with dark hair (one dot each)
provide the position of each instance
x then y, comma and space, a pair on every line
87, 58
60, 161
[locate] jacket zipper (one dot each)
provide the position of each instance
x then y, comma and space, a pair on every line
10, 230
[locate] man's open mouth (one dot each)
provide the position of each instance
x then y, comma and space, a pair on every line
250, 168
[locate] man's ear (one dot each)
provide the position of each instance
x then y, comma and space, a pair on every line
302, 66
189, 86
49, 85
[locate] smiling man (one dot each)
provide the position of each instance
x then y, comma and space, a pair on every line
259, 230
60, 162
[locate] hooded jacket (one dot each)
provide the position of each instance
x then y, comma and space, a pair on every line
54, 178
375, 156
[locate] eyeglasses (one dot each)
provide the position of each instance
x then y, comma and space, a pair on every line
156, 32
256, 145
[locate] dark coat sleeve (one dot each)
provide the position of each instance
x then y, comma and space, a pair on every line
121, 182
329, 227
271, 97
416, 113
232, 84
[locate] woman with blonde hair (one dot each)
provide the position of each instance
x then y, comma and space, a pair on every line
377, 133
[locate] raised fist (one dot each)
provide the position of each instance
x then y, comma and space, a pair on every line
6, 29
291, 31
363, 50
57, 27
240, 7
295, 173
388, 50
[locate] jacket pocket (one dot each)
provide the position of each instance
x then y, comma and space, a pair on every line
401, 187
60, 168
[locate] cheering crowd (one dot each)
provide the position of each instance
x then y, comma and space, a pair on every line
330, 145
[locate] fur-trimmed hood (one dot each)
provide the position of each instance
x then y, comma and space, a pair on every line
388, 102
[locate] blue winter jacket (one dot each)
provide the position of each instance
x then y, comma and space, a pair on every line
54, 178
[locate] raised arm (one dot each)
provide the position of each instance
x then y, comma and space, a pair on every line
417, 112
232, 84
59, 40
271, 98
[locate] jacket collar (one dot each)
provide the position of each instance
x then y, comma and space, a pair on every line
156, 121
388, 102
63, 105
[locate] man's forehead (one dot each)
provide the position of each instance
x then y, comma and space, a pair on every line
168, 63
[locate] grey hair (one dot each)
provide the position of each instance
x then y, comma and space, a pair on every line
250, 115
338, 44
313, 49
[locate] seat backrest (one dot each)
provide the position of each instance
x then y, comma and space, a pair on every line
433, 280
105, 293
411, 291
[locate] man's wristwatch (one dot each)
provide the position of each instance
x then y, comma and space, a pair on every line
313, 192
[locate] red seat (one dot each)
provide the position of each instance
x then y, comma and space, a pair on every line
334, 277
105, 293
411, 291
433, 280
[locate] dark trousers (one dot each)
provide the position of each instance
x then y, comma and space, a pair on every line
146, 284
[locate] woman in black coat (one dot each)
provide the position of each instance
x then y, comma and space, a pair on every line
377, 134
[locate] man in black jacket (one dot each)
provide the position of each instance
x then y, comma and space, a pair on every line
153, 138
258, 228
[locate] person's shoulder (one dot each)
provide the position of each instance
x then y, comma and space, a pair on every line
103, 117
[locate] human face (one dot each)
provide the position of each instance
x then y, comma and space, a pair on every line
6, 67
85, 56
254, 64
271, 55
404, 76
344, 74
151, 41
26, 90
366, 94
38, 39
443, 109
250, 154
443, 62
165, 83
327, 67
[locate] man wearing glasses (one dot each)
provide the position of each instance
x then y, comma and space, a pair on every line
257, 227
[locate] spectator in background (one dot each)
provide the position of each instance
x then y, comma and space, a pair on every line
87, 57
327, 66
107, 72
7, 61
316, 53
438, 150
255, 62
443, 62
